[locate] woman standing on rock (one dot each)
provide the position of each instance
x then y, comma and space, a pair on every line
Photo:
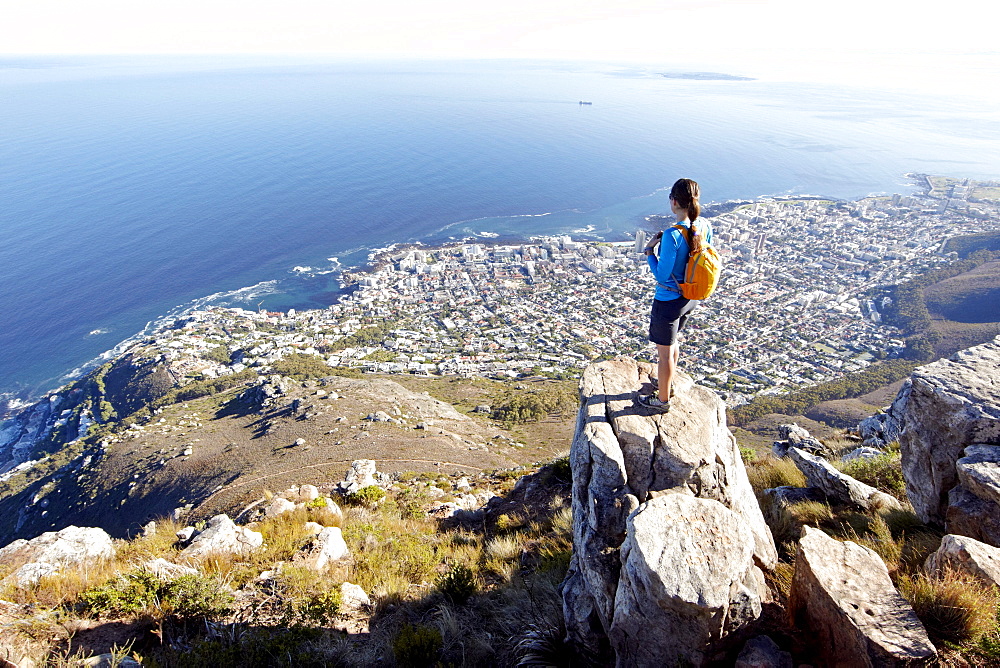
670, 309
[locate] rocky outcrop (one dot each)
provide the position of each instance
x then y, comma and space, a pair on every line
966, 555
266, 392
836, 485
361, 474
53, 551
841, 593
222, 536
627, 464
794, 436
948, 406
878, 431
687, 580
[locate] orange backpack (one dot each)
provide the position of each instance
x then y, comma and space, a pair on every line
701, 274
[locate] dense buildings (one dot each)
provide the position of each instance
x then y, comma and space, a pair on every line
792, 309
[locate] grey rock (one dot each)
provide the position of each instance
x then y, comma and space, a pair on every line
278, 506
979, 471
353, 597
949, 405
361, 474
840, 486
762, 652
222, 535
794, 436
166, 570
185, 534
53, 551
327, 547
688, 579
109, 661
863, 452
841, 593
622, 456
966, 555
971, 516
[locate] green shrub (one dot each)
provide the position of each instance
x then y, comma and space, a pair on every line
768, 472
883, 472
127, 594
196, 595
561, 469
189, 596
458, 585
366, 496
417, 645
748, 455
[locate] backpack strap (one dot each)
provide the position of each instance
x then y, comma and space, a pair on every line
686, 233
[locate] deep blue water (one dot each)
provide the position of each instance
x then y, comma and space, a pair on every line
131, 188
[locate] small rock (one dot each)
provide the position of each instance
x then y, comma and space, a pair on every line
762, 652
278, 506
862, 453
185, 534
187, 452
166, 570
312, 528
842, 593
821, 473
108, 661
300, 441
353, 597
223, 536
149, 529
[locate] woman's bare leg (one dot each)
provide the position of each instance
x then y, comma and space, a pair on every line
666, 362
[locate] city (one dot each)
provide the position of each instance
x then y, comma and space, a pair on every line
791, 310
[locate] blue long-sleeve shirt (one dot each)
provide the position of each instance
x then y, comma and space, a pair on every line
668, 268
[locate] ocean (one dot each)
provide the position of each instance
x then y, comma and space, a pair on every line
132, 189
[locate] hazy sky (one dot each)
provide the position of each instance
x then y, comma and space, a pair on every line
862, 40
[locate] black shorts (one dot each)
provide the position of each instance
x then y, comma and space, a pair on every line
667, 318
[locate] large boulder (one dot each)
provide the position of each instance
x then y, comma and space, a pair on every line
622, 457
966, 555
823, 475
53, 551
688, 580
949, 405
841, 593
360, 475
223, 536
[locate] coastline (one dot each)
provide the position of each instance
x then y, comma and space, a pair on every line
377, 258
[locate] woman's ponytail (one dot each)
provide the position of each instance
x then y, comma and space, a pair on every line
686, 193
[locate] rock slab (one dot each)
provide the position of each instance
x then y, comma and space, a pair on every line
837, 485
222, 535
841, 593
949, 405
53, 551
966, 555
688, 579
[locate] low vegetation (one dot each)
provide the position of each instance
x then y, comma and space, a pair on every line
443, 593
960, 614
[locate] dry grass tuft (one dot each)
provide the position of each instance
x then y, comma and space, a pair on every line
768, 471
953, 608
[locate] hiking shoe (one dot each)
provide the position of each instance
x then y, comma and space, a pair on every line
653, 403
656, 386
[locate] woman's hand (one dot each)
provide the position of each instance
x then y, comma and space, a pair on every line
651, 244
